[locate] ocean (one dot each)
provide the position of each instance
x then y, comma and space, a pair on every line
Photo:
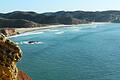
80, 52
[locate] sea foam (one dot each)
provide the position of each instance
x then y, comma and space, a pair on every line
61, 32
26, 34
27, 42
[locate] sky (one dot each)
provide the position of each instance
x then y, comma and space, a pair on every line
42, 6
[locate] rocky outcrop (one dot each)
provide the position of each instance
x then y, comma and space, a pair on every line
23, 76
8, 31
10, 54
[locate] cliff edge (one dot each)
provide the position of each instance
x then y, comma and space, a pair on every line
10, 54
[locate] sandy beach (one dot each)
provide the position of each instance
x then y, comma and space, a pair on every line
23, 30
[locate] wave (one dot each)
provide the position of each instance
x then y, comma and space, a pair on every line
50, 30
53, 30
61, 32
76, 30
26, 34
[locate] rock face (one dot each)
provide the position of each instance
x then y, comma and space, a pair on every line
10, 54
8, 31
23, 76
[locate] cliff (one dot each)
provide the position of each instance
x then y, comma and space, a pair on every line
10, 54
9, 31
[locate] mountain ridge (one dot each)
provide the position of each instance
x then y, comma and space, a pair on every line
33, 19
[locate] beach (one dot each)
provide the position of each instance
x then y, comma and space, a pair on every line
23, 30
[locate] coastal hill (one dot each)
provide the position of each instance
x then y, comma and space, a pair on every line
14, 23
22, 19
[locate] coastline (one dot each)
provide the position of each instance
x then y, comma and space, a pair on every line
25, 30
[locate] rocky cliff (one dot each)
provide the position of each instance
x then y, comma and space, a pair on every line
10, 54
8, 31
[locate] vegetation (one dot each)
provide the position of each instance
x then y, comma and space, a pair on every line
32, 19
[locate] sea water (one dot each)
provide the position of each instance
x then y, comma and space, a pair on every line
81, 52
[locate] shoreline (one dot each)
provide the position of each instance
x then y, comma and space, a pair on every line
25, 30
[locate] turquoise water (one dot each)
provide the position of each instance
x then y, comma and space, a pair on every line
90, 52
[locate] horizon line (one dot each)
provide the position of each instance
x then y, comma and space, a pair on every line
57, 11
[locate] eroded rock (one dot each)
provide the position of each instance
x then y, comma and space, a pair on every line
10, 54
9, 31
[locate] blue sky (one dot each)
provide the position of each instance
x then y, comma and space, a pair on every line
41, 6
